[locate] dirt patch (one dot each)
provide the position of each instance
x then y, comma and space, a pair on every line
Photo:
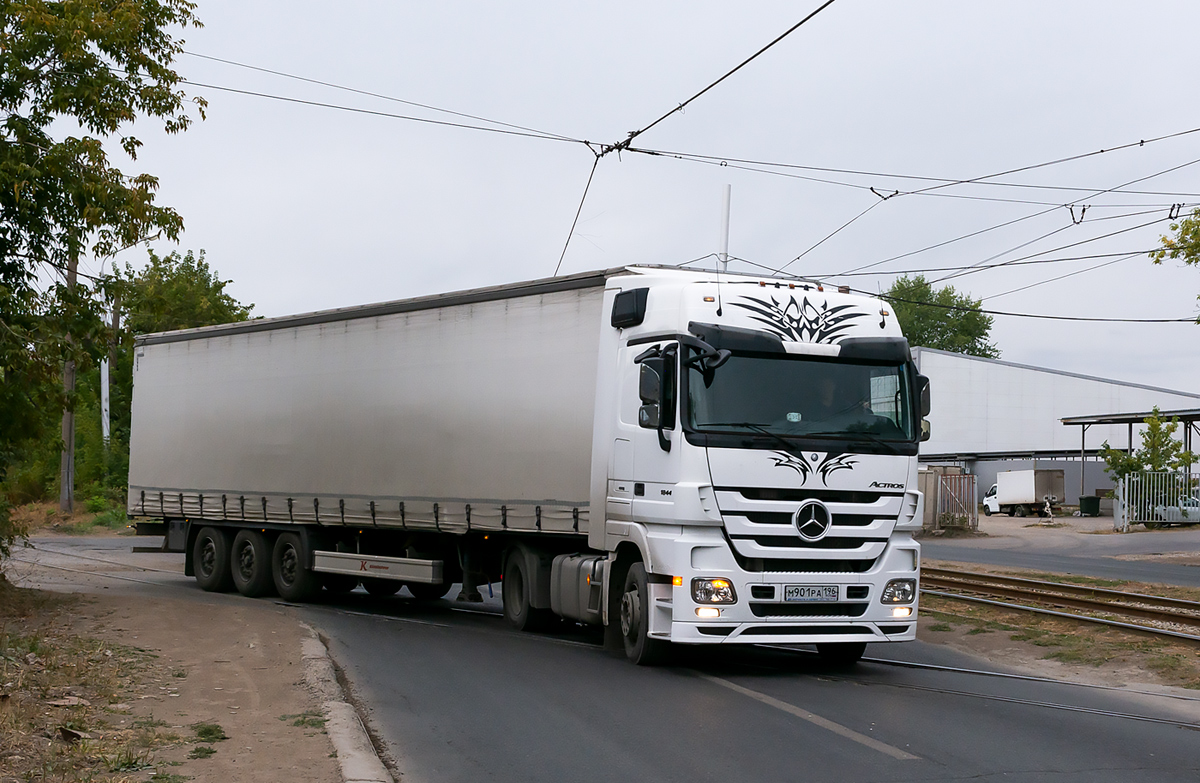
1062, 648
113, 688
44, 518
1176, 558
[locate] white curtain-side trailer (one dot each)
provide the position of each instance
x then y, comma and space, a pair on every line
681, 456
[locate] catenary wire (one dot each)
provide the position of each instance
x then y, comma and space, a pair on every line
927, 270
1061, 277
726, 161
586, 188
368, 93
634, 134
390, 115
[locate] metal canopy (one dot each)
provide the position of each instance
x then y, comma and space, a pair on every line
1188, 417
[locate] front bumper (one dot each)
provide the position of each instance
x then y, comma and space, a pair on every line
761, 615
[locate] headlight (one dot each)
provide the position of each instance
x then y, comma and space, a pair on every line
899, 591
713, 591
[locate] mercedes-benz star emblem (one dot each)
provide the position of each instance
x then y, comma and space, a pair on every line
812, 520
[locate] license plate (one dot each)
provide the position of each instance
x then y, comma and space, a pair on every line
810, 593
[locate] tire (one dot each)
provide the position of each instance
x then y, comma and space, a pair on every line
294, 580
210, 560
635, 620
1011, 511
382, 588
250, 564
518, 611
841, 653
987, 511
1022, 511
427, 592
339, 584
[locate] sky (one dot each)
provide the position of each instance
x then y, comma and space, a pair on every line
306, 207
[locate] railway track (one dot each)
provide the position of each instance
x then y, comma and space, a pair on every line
1150, 614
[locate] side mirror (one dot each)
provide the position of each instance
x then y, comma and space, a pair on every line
925, 431
923, 382
648, 416
650, 382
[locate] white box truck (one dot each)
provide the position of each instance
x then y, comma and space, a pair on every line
684, 457
1024, 492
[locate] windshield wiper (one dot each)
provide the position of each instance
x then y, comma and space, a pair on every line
788, 446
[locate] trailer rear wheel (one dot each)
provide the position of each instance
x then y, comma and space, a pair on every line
251, 563
841, 653
427, 592
382, 588
210, 559
518, 611
635, 620
293, 579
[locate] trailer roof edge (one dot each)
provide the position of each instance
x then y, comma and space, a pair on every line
471, 296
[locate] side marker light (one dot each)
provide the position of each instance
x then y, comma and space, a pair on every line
677, 581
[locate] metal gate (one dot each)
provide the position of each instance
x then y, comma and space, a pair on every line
957, 502
1155, 499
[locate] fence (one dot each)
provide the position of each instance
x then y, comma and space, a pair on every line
957, 504
1155, 499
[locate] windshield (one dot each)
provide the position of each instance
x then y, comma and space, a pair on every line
801, 396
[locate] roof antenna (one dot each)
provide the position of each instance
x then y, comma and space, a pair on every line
724, 259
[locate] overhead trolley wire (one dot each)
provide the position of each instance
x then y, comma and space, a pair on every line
635, 133
1042, 316
1124, 257
381, 96
376, 113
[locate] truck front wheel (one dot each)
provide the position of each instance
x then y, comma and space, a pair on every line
293, 579
635, 620
210, 558
251, 563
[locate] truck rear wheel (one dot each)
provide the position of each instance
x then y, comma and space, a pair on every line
1022, 511
251, 561
841, 653
294, 580
518, 611
635, 620
210, 560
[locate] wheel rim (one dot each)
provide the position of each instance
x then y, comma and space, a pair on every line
208, 557
246, 560
631, 610
287, 565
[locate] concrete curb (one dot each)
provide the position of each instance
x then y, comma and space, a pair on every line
355, 753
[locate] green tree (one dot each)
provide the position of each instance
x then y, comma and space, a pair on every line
1184, 245
85, 69
175, 292
1159, 450
942, 319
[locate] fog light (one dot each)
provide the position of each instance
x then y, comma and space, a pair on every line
899, 591
707, 612
713, 591
901, 611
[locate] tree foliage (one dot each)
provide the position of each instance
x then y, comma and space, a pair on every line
1184, 245
84, 70
942, 318
1159, 450
175, 292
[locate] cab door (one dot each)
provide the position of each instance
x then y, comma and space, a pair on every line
656, 436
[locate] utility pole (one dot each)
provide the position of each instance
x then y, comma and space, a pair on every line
66, 492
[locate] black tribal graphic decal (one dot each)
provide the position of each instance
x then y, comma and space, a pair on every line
831, 464
803, 322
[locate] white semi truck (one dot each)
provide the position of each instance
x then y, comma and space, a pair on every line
684, 457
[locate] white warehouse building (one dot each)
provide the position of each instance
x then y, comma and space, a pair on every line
991, 415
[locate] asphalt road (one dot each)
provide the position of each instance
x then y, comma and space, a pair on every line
455, 695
